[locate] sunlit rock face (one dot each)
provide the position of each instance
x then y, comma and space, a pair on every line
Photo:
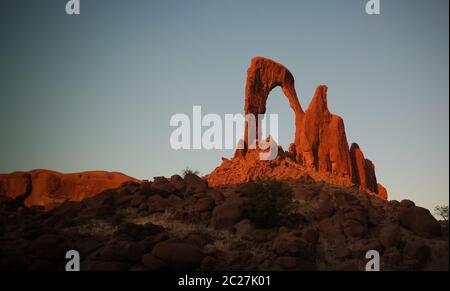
263, 75
320, 142
50, 188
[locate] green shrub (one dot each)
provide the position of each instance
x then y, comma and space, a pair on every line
188, 170
270, 201
442, 212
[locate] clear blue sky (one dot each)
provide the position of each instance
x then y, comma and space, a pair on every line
96, 91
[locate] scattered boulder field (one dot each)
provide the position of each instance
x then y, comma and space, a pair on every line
182, 223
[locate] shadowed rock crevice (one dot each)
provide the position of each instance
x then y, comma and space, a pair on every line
28, 189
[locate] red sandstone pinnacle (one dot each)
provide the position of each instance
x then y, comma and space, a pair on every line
364, 169
323, 142
382, 192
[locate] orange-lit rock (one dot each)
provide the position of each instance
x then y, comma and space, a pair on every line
364, 169
382, 192
263, 75
320, 141
16, 184
49, 188
323, 143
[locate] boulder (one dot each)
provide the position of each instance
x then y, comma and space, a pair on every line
216, 195
226, 215
204, 204
86, 246
287, 262
417, 250
179, 256
133, 251
325, 209
137, 200
420, 221
208, 263
244, 228
46, 241
390, 259
128, 231
355, 221
289, 245
195, 184
156, 203
152, 263
146, 189
330, 227
354, 228
8, 204
152, 229
123, 200
311, 235
407, 203
390, 235
177, 182
341, 250
162, 186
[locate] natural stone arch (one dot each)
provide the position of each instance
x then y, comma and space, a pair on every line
320, 139
263, 75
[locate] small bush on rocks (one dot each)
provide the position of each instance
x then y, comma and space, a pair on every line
269, 202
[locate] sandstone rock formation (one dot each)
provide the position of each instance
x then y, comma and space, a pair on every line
382, 192
49, 188
323, 143
320, 141
364, 170
262, 76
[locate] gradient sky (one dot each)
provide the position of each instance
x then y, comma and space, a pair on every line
96, 91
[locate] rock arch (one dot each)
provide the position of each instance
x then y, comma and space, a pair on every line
320, 141
263, 75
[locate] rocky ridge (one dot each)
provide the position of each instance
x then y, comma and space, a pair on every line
182, 223
49, 188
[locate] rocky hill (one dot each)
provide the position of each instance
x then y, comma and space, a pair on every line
50, 188
183, 223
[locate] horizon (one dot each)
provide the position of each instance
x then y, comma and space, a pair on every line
96, 91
